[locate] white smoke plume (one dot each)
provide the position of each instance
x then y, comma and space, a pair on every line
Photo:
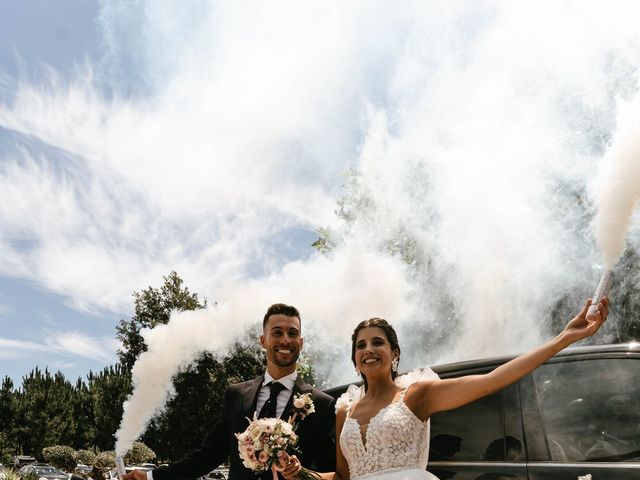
376, 284
617, 185
212, 139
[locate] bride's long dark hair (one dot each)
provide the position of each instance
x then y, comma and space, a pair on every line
389, 332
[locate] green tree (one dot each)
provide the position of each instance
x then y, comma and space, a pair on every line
152, 307
200, 388
83, 414
8, 412
108, 389
46, 411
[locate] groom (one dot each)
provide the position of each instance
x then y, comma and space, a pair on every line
270, 395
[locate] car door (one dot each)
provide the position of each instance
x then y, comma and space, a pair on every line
480, 441
582, 416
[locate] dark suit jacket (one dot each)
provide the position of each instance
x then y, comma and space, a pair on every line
316, 435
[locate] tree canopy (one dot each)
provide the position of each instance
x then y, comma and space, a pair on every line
47, 410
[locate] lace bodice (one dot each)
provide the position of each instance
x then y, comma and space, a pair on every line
395, 439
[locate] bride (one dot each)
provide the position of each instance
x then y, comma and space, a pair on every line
383, 427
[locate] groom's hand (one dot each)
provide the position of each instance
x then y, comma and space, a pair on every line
135, 475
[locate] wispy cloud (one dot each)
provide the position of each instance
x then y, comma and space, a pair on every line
19, 348
77, 344
65, 344
472, 130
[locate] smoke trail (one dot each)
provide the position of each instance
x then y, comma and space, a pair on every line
470, 130
617, 185
376, 286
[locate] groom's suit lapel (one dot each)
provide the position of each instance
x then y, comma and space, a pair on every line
250, 396
300, 387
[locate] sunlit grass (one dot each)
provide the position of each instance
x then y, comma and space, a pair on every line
10, 474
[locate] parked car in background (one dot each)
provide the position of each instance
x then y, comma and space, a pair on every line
82, 469
579, 413
81, 472
220, 473
20, 460
42, 472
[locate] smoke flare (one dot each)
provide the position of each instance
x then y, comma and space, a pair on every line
617, 187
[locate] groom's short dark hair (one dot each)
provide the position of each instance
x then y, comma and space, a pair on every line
280, 309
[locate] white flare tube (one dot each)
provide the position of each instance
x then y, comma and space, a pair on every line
120, 466
604, 285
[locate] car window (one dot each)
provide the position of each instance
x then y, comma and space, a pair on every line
590, 409
474, 432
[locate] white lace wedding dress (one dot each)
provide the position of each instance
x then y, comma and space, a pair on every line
396, 444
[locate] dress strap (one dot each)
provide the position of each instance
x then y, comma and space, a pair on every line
401, 398
348, 411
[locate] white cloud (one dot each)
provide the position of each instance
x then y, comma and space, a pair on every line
65, 344
10, 348
472, 127
81, 345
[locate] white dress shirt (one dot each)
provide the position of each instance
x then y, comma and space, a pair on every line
287, 382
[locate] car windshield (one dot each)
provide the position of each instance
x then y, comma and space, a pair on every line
47, 470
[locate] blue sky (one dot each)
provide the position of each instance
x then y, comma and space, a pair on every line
46, 321
38, 327
214, 138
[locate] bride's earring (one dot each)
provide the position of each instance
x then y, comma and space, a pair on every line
394, 365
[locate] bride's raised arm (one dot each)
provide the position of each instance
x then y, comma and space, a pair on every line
428, 397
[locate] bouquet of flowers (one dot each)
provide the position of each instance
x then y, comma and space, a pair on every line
266, 443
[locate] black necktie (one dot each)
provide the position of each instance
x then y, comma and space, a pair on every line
268, 410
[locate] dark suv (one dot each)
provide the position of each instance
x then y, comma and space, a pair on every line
579, 413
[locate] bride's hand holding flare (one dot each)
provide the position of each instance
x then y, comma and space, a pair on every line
583, 325
429, 397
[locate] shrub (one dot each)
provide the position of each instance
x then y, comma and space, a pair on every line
139, 453
103, 462
60, 456
87, 457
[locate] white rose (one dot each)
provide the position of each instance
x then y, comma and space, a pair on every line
299, 402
